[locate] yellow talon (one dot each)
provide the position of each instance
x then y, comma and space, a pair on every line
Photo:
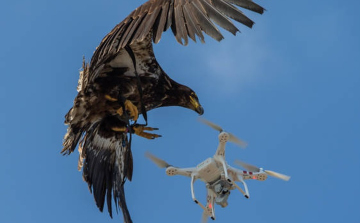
129, 106
120, 111
139, 130
108, 97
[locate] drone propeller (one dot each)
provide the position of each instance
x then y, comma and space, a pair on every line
237, 141
159, 162
277, 175
247, 166
212, 125
253, 168
232, 138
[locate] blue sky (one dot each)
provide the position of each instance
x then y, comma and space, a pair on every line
289, 87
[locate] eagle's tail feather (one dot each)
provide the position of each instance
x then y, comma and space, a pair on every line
122, 204
107, 163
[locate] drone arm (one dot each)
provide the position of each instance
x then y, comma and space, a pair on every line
221, 149
172, 171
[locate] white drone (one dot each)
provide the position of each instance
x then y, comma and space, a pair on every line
219, 177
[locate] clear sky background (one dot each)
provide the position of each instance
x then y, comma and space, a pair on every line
289, 87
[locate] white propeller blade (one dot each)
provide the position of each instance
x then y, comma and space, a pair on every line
159, 162
232, 137
237, 141
277, 175
247, 166
212, 125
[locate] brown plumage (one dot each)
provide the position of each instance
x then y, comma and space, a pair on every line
124, 59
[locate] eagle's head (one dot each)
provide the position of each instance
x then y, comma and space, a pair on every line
181, 95
194, 103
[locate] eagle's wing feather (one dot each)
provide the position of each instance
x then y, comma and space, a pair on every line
179, 29
232, 12
215, 13
107, 163
204, 21
187, 18
161, 23
247, 4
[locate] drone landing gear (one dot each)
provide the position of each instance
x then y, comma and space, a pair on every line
208, 212
223, 162
246, 193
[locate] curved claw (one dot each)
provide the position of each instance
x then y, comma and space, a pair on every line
108, 97
139, 130
129, 106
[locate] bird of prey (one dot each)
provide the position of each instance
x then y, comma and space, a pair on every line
124, 80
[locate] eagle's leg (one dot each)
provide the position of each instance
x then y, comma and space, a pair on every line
119, 129
129, 106
139, 130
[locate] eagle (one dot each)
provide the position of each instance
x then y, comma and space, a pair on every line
123, 80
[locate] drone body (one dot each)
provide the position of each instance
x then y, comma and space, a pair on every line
218, 175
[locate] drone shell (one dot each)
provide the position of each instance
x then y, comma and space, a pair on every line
209, 170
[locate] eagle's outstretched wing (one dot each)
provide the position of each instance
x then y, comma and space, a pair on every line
187, 18
107, 161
